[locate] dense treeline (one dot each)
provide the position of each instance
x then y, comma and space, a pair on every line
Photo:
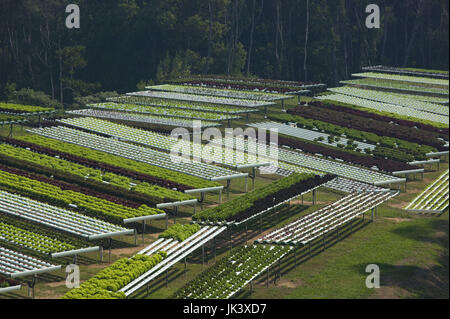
124, 42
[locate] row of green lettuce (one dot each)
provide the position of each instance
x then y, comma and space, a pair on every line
180, 232
6, 118
107, 283
34, 230
89, 205
263, 198
83, 175
188, 180
26, 239
389, 114
18, 108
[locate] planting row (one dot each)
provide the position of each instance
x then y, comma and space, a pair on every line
348, 155
54, 195
180, 232
139, 118
385, 148
394, 110
25, 239
232, 273
404, 78
137, 153
202, 99
392, 98
68, 186
252, 84
268, 196
349, 186
242, 94
358, 128
313, 226
290, 160
408, 71
381, 164
164, 103
82, 175
62, 220
354, 110
21, 109
314, 136
393, 86
166, 112
109, 162
42, 231
107, 283
423, 98
14, 264
7, 118
242, 86
161, 142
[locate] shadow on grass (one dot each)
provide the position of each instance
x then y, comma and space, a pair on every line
425, 232
164, 280
418, 282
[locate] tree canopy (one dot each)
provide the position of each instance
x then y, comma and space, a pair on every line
125, 42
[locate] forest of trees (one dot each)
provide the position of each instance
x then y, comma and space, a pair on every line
125, 42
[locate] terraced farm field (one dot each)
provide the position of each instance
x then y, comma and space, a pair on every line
349, 171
